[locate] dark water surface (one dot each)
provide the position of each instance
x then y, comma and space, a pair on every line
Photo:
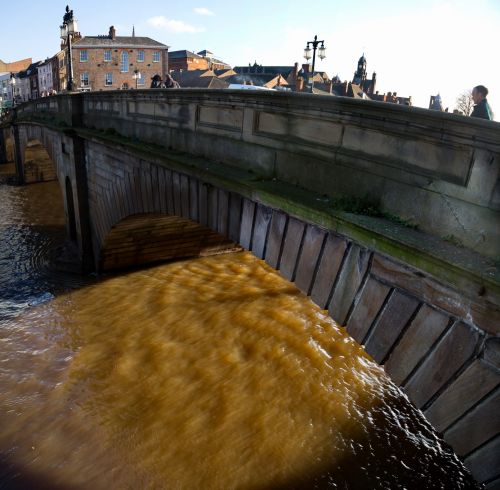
208, 373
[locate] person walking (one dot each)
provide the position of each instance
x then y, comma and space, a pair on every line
170, 82
481, 109
156, 81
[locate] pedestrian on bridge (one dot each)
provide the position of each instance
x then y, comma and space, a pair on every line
170, 82
156, 81
482, 109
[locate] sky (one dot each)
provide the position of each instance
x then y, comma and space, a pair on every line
418, 48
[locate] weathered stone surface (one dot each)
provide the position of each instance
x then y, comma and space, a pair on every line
235, 204
449, 355
390, 324
169, 192
261, 226
481, 313
291, 248
478, 426
472, 385
350, 279
493, 485
247, 223
423, 331
492, 351
311, 248
275, 238
328, 269
223, 212
161, 190
372, 297
213, 203
203, 203
193, 199
484, 464
176, 189
184, 196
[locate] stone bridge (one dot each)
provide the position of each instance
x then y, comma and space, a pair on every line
386, 216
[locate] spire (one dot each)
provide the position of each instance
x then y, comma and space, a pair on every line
133, 31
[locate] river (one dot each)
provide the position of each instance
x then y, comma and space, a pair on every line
211, 373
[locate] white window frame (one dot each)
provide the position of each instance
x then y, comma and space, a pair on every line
84, 79
141, 56
124, 62
108, 77
156, 54
108, 51
84, 54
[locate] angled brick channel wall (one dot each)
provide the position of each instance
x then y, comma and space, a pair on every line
436, 330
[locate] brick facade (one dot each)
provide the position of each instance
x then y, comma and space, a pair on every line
15, 66
109, 62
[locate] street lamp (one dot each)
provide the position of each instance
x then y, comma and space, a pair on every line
12, 83
136, 76
321, 53
68, 30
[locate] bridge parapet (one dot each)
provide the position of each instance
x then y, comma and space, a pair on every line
437, 171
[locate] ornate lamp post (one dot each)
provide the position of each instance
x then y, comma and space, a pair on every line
321, 53
136, 76
68, 29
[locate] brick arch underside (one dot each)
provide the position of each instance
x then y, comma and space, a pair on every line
435, 343
40, 155
151, 238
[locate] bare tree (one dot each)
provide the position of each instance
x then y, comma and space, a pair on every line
465, 103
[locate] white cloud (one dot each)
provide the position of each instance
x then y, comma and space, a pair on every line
171, 25
203, 11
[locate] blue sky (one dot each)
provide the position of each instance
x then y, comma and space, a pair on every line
416, 48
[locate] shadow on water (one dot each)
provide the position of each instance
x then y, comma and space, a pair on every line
14, 478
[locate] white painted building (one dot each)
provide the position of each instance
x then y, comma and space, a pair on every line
45, 80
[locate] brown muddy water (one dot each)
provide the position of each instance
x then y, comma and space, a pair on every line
211, 373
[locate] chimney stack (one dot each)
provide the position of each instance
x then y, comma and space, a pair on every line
112, 32
299, 84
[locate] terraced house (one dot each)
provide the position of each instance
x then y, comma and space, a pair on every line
112, 62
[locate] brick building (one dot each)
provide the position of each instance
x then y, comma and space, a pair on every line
15, 66
187, 61
110, 62
59, 64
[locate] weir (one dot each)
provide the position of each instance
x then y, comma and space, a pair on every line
386, 216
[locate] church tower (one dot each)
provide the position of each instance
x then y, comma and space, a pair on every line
360, 73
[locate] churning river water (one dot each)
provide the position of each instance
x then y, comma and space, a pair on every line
210, 373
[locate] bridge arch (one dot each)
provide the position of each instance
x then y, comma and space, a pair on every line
38, 164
